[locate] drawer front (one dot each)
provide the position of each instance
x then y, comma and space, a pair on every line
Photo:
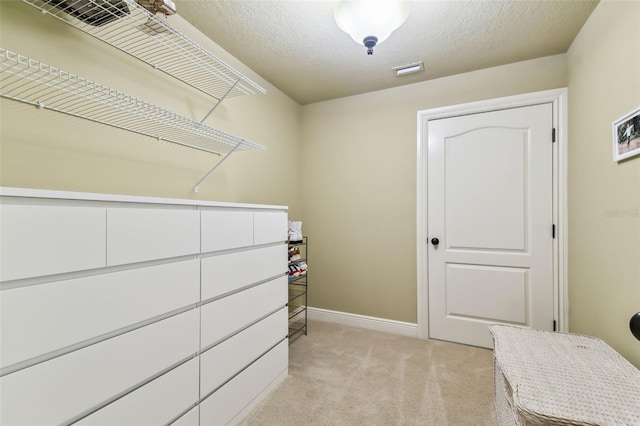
230, 314
229, 357
57, 390
156, 403
270, 227
228, 272
42, 318
226, 229
224, 405
136, 235
43, 240
190, 418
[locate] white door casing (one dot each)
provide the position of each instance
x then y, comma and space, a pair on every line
488, 236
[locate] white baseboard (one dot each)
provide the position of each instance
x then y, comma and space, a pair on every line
362, 321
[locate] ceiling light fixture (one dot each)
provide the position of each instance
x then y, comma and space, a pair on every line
371, 22
408, 69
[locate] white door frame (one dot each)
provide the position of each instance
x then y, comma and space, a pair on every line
558, 97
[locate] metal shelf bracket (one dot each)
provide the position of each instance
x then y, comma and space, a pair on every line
222, 160
220, 100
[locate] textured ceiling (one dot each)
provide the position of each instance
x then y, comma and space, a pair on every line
297, 46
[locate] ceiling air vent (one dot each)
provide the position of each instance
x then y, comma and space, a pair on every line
93, 12
408, 69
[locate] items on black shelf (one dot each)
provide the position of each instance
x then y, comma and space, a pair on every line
298, 281
295, 232
297, 270
294, 254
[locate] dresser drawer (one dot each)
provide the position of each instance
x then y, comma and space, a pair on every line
41, 240
228, 272
57, 390
136, 235
156, 403
223, 406
223, 361
226, 316
190, 418
226, 229
269, 227
39, 319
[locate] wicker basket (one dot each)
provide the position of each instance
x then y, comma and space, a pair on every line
548, 378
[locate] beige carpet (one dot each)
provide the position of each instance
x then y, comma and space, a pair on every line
348, 376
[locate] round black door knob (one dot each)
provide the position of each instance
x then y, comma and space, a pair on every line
634, 325
435, 241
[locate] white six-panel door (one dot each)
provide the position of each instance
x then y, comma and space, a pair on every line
490, 207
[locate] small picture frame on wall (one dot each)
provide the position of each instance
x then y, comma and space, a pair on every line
626, 136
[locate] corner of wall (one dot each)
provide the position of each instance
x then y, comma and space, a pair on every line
604, 196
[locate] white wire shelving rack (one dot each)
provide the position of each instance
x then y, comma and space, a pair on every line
132, 29
32, 82
129, 27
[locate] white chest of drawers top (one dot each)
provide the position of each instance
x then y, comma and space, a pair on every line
53, 232
108, 298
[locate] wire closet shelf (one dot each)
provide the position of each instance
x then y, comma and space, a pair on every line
129, 27
29, 81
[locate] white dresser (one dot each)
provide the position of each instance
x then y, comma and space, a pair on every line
140, 311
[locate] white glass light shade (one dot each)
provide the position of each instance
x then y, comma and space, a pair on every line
365, 18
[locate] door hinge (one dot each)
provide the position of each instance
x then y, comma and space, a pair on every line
553, 231
554, 326
553, 135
